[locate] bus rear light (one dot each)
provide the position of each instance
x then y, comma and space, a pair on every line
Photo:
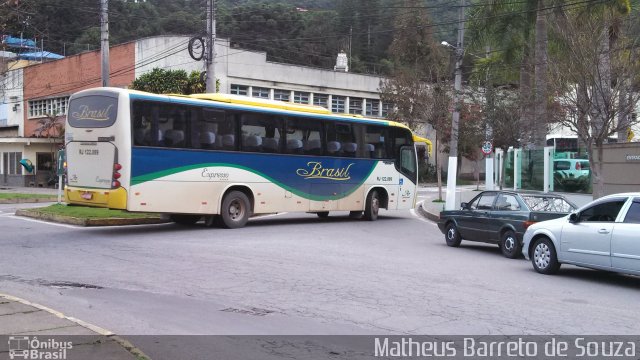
116, 175
117, 167
115, 184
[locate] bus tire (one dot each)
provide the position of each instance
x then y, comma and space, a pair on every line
235, 210
372, 206
184, 219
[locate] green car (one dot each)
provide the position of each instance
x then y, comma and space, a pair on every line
501, 217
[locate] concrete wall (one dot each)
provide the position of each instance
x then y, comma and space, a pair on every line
251, 68
621, 167
11, 96
165, 52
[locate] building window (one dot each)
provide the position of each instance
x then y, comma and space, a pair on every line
281, 95
11, 163
300, 97
239, 89
321, 100
260, 92
44, 161
355, 106
53, 106
373, 107
337, 103
387, 108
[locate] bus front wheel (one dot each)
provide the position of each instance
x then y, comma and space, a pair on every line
372, 206
235, 210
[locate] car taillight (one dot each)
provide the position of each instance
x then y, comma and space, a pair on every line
116, 175
528, 223
578, 166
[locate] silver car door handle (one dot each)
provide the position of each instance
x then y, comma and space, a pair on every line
603, 231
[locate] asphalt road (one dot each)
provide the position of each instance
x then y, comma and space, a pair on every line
297, 274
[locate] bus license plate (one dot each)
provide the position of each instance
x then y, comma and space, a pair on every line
87, 195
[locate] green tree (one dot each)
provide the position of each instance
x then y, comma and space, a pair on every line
418, 85
160, 81
594, 66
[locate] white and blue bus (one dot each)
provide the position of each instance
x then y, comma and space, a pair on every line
224, 158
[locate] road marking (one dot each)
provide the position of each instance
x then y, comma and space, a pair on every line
46, 222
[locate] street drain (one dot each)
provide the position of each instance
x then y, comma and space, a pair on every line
253, 311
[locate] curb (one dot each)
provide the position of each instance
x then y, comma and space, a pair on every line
28, 200
88, 222
428, 215
97, 329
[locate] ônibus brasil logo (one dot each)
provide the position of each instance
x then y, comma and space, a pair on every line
31, 348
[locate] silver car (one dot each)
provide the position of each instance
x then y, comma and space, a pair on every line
604, 234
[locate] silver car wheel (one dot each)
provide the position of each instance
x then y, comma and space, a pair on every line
542, 256
451, 234
509, 243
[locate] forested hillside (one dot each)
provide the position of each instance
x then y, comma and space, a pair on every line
308, 32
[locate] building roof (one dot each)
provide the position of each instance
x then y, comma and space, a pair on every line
40, 55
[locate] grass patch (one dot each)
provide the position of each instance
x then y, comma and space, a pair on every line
438, 201
91, 212
10, 196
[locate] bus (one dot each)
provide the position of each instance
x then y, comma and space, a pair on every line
223, 158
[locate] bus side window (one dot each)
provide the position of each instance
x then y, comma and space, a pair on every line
141, 124
193, 128
304, 137
176, 127
375, 141
253, 130
217, 130
400, 137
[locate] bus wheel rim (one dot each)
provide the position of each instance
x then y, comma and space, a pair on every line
236, 210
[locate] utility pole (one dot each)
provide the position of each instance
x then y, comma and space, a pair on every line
104, 41
455, 119
211, 51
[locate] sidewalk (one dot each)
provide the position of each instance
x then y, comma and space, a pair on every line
464, 193
28, 190
25, 321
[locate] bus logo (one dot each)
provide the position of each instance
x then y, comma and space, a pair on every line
18, 347
315, 170
86, 113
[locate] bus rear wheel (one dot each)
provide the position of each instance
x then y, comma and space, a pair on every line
184, 219
235, 210
372, 206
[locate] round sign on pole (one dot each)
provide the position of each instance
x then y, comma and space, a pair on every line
487, 147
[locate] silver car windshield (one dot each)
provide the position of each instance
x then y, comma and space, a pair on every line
547, 203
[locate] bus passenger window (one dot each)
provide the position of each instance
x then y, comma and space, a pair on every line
375, 140
217, 130
303, 137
